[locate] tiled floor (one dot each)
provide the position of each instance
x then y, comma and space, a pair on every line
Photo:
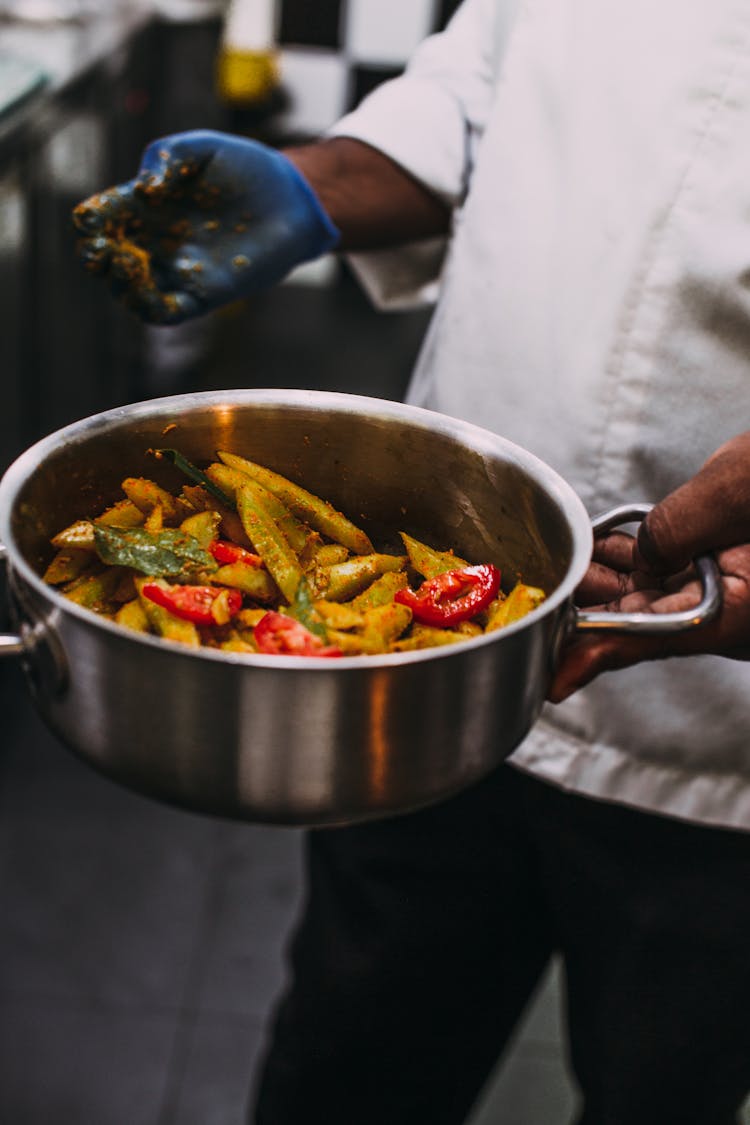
141, 947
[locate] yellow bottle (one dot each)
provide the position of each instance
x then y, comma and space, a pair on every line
247, 69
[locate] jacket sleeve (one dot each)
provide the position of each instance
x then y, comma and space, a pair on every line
430, 121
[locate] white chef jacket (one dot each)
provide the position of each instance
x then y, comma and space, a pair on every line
593, 305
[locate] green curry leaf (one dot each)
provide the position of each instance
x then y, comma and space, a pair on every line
302, 609
197, 475
162, 553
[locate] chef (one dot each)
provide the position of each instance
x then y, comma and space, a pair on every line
569, 182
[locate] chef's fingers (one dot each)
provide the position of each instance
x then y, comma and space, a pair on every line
157, 307
611, 573
157, 295
95, 253
115, 207
615, 549
171, 161
129, 268
601, 584
590, 654
707, 513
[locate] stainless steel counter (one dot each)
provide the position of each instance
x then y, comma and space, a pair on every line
57, 54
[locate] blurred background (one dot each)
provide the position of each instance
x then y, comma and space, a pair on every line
141, 948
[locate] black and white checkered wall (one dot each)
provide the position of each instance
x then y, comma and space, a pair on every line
333, 52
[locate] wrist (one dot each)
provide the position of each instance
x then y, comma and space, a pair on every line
373, 202
325, 232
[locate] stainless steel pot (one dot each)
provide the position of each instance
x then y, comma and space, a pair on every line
297, 740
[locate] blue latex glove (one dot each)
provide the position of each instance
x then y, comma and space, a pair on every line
209, 218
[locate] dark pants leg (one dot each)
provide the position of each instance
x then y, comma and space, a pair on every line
421, 941
423, 936
653, 919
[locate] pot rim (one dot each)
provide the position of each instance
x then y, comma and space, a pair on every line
471, 435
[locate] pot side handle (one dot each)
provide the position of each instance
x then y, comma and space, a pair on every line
10, 643
654, 623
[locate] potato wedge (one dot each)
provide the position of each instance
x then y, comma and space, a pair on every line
254, 582
231, 480
306, 505
164, 623
67, 564
427, 561
520, 601
147, 494
343, 581
269, 542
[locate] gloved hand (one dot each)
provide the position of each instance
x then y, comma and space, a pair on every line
209, 218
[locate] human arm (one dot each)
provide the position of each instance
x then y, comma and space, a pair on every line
651, 573
389, 176
373, 201
211, 217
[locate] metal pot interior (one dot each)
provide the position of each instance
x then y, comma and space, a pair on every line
388, 467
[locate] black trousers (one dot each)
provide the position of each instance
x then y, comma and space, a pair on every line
423, 937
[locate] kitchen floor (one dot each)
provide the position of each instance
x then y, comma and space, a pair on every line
141, 947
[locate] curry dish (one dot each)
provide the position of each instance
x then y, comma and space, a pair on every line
244, 560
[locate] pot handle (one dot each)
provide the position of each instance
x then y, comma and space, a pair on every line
11, 644
654, 623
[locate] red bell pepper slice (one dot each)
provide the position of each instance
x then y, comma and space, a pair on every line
227, 553
193, 603
279, 635
452, 597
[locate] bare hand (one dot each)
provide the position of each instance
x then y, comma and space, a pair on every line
651, 574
